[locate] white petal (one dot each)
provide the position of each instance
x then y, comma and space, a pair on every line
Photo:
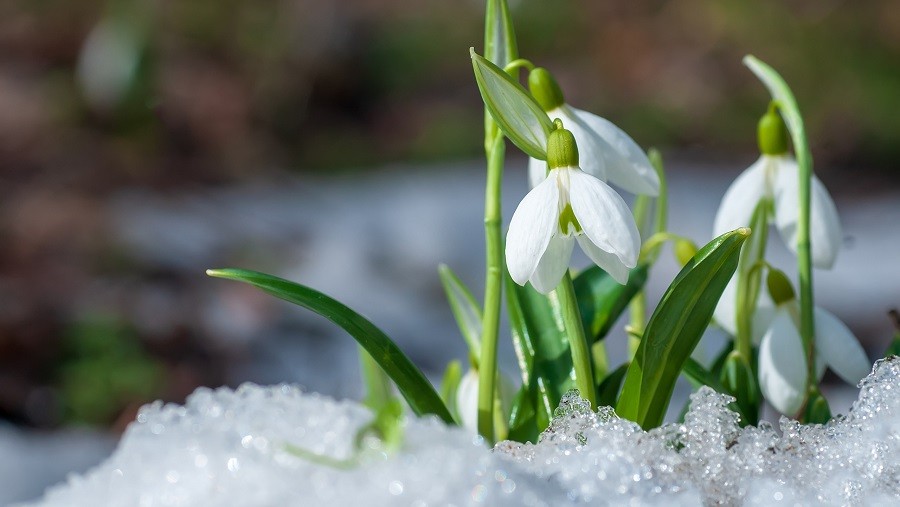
537, 172
592, 149
604, 217
553, 264
741, 198
824, 224
782, 365
467, 401
607, 261
627, 166
838, 347
530, 229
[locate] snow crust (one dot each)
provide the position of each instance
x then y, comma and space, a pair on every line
238, 448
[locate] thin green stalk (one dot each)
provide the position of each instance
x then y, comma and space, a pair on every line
749, 279
492, 289
581, 355
804, 260
638, 320
378, 384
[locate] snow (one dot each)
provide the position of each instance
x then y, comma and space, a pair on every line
235, 447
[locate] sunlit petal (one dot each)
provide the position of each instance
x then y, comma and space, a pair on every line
553, 264
530, 229
607, 261
592, 149
839, 348
741, 198
824, 224
782, 365
627, 166
604, 217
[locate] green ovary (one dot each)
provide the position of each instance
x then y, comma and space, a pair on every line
567, 219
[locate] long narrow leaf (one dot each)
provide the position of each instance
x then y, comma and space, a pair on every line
675, 329
411, 382
465, 309
499, 34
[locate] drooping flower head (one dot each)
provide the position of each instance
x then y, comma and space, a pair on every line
775, 177
608, 153
569, 205
782, 356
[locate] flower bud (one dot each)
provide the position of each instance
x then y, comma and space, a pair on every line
772, 133
562, 151
684, 250
545, 89
779, 286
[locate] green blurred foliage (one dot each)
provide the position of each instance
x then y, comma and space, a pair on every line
225, 87
105, 371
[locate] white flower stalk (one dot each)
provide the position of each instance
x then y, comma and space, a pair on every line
569, 205
467, 400
609, 154
782, 356
774, 177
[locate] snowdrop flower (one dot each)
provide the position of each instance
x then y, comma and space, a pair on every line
782, 356
774, 177
569, 205
467, 399
609, 153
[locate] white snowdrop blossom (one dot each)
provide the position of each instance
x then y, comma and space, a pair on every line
608, 153
782, 358
775, 177
569, 205
782, 355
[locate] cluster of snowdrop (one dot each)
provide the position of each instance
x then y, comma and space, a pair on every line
559, 320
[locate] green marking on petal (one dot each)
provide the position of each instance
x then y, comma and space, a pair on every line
567, 218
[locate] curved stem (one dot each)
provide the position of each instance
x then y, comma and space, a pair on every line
581, 356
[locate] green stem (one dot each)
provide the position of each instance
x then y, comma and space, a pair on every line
804, 263
749, 279
492, 288
378, 384
638, 314
581, 356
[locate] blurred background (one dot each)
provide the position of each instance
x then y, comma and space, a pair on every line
337, 144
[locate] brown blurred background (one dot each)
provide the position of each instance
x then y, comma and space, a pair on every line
104, 101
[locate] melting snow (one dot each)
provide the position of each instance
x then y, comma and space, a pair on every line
232, 448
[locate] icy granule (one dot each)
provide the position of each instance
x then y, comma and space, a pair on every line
229, 448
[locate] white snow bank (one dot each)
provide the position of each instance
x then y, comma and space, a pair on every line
229, 448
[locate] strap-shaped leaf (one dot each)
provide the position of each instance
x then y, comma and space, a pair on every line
601, 300
411, 382
542, 348
465, 309
450, 385
516, 112
675, 329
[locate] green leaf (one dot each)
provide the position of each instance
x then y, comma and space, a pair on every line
465, 309
411, 382
376, 381
522, 418
675, 329
738, 379
516, 112
499, 34
542, 348
817, 410
450, 384
601, 300
609, 389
